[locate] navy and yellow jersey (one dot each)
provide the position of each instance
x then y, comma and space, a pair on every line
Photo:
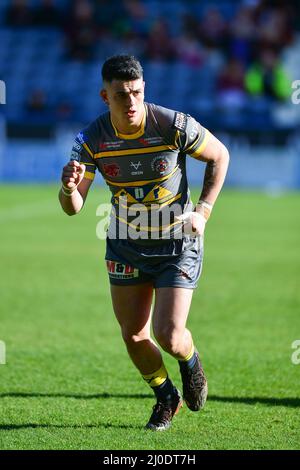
145, 171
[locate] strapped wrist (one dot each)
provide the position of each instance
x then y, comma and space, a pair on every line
67, 191
204, 208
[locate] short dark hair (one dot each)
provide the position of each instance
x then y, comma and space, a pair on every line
121, 67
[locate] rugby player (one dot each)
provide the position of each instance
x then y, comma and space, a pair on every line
140, 150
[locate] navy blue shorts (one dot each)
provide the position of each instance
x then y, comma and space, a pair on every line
172, 263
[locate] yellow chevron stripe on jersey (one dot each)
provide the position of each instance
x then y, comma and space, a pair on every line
148, 207
142, 182
200, 149
125, 194
129, 152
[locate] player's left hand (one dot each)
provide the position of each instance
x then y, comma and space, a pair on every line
194, 223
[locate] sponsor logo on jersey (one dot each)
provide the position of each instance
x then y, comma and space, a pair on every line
150, 140
144, 141
103, 145
111, 169
180, 121
121, 271
160, 164
136, 167
193, 133
80, 137
76, 151
77, 146
75, 155
106, 145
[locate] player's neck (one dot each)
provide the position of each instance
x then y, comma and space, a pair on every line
127, 129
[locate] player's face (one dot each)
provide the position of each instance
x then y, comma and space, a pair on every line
126, 103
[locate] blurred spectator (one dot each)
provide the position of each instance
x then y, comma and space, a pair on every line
64, 111
107, 15
244, 39
274, 23
230, 85
159, 45
47, 14
37, 103
213, 29
267, 77
19, 14
81, 31
190, 25
134, 44
243, 34
189, 50
138, 16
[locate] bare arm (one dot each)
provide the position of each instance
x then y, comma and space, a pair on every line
216, 156
74, 188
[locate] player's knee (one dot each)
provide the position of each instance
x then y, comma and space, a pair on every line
170, 341
132, 340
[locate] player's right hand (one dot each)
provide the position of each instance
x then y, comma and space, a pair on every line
72, 174
193, 223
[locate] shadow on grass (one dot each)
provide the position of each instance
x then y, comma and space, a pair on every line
15, 427
78, 396
270, 401
292, 402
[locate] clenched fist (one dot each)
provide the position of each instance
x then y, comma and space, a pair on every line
193, 223
72, 175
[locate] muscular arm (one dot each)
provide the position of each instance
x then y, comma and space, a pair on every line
73, 204
216, 156
75, 184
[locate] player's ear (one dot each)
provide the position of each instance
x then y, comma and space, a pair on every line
103, 94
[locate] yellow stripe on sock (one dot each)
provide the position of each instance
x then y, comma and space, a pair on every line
189, 356
156, 378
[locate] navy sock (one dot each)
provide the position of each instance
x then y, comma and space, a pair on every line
165, 391
188, 364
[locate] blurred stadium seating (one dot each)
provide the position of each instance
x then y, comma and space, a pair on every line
52, 79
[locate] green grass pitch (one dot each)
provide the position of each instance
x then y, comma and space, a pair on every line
68, 383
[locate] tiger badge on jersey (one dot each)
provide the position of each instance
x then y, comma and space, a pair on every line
121, 271
160, 164
111, 169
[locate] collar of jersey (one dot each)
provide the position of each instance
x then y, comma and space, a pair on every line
137, 134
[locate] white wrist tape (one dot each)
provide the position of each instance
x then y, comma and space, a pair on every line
206, 208
206, 204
